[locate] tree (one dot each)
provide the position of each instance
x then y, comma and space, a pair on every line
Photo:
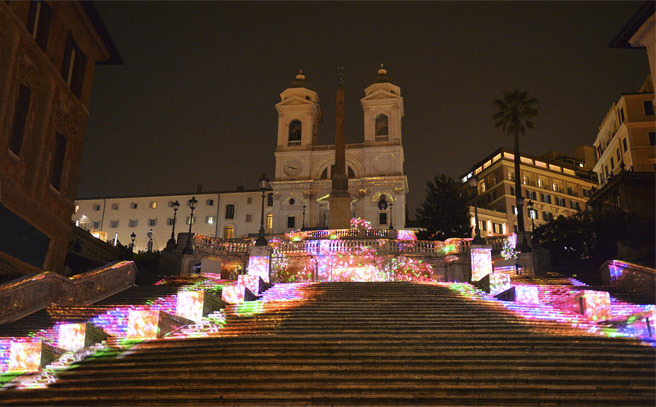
444, 213
515, 111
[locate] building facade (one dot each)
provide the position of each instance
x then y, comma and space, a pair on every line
230, 214
302, 183
556, 184
627, 136
48, 51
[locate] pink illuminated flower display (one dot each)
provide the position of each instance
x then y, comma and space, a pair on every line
143, 324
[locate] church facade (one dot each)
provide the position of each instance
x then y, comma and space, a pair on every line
299, 191
302, 184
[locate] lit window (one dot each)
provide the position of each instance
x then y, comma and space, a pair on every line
269, 221
229, 232
514, 210
189, 218
77, 208
209, 220
152, 205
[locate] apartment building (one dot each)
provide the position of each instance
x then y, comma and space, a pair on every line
555, 184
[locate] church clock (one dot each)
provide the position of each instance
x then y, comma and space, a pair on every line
293, 167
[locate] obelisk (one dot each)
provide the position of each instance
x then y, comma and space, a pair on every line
340, 200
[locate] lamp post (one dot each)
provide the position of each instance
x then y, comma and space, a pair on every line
132, 236
150, 240
473, 183
524, 247
303, 228
391, 215
192, 204
264, 185
531, 215
171, 243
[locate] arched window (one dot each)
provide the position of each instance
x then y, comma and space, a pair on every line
382, 129
230, 211
229, 232
295, 133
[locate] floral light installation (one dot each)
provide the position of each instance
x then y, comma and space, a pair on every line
143, 324
259, 266
190, 304
481, 262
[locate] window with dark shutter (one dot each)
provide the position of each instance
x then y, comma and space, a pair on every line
38, 23
59, 154
74, 65
20, 118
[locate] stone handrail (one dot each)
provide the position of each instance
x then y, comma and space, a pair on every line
30, 294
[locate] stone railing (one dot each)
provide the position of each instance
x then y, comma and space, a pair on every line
628, 276
30, 294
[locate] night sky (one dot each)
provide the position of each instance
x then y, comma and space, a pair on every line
194, 102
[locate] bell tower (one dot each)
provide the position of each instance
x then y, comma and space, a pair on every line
299, 116
383, 110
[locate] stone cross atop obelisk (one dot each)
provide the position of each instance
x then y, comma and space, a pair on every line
340, 200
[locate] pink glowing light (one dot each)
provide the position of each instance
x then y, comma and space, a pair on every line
499, 282
25, 356
526, 294
252, 282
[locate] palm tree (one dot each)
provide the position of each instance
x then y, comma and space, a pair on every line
516, 109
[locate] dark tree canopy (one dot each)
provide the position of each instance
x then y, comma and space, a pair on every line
444, 213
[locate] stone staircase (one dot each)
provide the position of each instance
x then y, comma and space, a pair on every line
365, 344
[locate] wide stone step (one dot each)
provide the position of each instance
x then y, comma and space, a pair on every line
194, 396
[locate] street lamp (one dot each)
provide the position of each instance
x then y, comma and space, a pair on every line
132, 236
524, 247
303, 228
171, 243
531, 215
391, 215
150, 240
264, 185
192, 204
473, 183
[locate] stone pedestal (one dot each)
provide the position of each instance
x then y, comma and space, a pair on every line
30, 356
76, 336
524, 262
151, 324
340, 212
194, 305
481, 261
259, 262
